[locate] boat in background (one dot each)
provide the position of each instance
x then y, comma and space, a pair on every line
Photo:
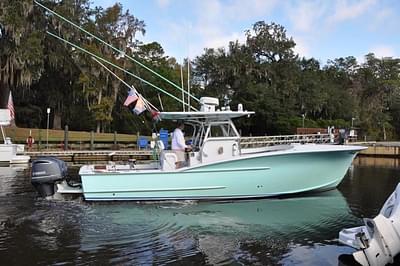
378, 241
10, 153
216, 169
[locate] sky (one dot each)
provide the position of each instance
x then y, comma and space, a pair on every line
322, 29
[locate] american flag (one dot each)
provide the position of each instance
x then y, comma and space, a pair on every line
132, 96
139, 107
10, 107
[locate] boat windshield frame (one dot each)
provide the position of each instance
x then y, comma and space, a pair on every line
203, 131
203, 122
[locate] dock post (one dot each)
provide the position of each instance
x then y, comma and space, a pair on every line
40, 140
137, 140
66, 138
115, 141
92, 140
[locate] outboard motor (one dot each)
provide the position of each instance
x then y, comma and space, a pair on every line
46, 171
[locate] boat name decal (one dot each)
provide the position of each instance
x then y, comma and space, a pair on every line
39, 173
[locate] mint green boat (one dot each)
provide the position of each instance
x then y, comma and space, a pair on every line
219, 169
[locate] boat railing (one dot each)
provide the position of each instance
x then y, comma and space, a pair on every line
259, 141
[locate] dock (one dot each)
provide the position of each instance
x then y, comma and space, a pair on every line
77, 156
381, 149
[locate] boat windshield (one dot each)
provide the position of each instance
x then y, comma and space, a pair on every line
215, 130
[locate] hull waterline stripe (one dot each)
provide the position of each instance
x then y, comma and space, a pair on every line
158, 190
205, 198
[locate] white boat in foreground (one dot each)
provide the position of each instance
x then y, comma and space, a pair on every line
217, 168
10, 152
378, 241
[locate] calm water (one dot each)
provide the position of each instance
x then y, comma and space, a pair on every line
288, 231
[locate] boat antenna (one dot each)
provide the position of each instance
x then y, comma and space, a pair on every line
188, 82
183, 95
116, 66
112, 47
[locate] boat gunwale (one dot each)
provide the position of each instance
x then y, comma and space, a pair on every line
354, 149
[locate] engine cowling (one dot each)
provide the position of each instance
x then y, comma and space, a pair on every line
46, 171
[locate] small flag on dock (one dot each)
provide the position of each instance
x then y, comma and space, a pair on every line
10, 106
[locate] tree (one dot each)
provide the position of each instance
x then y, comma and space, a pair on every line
100, 88
21, 52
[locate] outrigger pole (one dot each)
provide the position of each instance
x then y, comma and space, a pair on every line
112, 47
146, 102
116, 66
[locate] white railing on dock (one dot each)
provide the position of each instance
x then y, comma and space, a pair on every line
285, 139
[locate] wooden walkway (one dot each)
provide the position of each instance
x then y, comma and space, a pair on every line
90, 156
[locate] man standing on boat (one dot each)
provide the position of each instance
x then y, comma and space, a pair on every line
178, 144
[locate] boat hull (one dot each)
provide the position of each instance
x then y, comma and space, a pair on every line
8, 154
268, 175
7, 151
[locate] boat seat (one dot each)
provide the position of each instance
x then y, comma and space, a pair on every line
168, 160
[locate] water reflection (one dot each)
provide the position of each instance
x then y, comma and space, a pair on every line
366, 188
222, 232
377, 161
247, 217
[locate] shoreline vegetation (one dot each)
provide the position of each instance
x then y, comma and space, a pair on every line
264, 74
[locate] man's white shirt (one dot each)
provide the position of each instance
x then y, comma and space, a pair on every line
178, 140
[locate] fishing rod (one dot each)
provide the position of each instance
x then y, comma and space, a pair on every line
115, 49
116, 66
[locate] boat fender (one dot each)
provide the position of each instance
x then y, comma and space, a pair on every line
220, 150
234, 149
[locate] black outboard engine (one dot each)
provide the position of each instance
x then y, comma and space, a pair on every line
46, 171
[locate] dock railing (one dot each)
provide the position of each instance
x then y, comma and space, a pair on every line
260, 141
